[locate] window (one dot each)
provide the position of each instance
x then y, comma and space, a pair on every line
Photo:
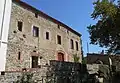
67, 32
58, 39
58, 26
34, 61
19, 55
76, 45
20, 24
2, 73
72, 44
36, 15
35, 31
47, 35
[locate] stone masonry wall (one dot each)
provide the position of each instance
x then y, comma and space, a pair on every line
38, 75
24, 42
60, 72
104, 59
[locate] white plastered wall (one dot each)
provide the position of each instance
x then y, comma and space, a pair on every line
5, 12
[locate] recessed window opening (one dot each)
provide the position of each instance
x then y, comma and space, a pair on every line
47, 35
58, 39
76, 45
20, 24
36, 15
19, 55
58, 26
72, 44
67, 32
2, 73
35, 31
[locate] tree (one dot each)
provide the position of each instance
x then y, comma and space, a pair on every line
106, 32
76, 58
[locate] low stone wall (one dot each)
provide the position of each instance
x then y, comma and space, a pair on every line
57, 72
9, 77
37, 75
102, 71
104, 59
67, 72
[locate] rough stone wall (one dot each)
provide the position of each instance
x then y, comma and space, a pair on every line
68, 72
96, 58
38, 75
56, 72
60, 72
116, 62
9, 77
24, 42
102, 71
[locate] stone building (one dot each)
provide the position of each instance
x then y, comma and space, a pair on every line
105, 59
34, 38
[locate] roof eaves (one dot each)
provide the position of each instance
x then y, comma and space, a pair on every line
46, 16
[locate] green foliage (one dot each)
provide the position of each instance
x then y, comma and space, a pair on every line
103, 9
106, 32
84, 61
76, 58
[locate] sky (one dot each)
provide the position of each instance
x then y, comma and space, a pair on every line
74, 13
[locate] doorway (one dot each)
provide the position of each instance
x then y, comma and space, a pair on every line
34, 61
60, 56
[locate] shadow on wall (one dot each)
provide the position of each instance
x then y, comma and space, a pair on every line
116, 77
67, 72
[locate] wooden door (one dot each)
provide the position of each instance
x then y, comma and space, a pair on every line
60, 57
34, 61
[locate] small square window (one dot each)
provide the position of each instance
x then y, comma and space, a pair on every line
36, 15
58, 39
58, 26
20, 24
47, 35
2, 73
35, 31
67, 32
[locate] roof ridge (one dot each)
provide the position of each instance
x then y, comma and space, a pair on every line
45, 15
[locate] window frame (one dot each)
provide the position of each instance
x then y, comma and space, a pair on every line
58, 26
59, 39
47, 35
19, 55
36, 15
77, 46
71, 44
35, 31
20, 25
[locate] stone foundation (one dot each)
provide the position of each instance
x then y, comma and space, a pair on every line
59, 72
